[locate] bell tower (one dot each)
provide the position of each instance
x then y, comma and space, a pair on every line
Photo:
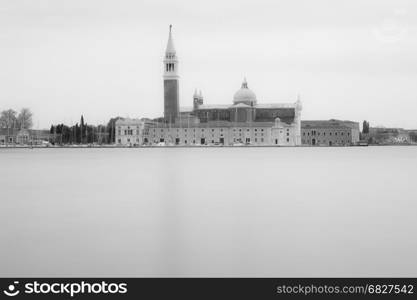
171, 80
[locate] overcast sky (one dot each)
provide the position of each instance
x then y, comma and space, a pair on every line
347, 59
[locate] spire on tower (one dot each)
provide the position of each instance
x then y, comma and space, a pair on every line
170, 46
171, 92
198, 99
298, 103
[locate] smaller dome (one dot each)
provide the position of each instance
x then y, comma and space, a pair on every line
244, 95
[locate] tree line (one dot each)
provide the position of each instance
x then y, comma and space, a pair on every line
83, 133
365, 127
10, 119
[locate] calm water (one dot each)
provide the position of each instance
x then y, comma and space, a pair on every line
209, 212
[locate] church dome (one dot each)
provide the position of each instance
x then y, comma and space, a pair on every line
244, 95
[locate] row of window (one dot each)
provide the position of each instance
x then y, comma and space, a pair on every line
314, 133
128, 140
170, 67
127, 132
128, 127
3, 141
203, 129
321, 142
221, 135
203, 140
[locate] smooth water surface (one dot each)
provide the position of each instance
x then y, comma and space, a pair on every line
209, 212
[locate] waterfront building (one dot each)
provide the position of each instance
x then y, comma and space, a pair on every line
243, 121
14, 136
8, 136
412, 134
329, 133
129, 131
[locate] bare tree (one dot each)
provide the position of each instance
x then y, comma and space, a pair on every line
24, 118
8, 119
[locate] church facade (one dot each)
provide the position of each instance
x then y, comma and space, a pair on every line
242, 122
